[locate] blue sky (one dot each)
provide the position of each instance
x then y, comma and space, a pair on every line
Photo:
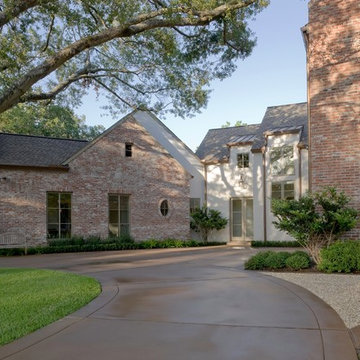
274, 74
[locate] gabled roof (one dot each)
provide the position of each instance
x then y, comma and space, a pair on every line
214, 147
29, 150
281, 119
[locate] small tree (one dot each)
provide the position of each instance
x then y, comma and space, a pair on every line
205, 220
315, 220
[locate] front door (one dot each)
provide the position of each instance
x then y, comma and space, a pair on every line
241, 219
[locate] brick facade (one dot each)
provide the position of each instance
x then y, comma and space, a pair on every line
149, 176
334, 96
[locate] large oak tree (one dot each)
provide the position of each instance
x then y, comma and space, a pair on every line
159, 54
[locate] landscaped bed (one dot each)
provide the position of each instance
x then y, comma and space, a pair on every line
31, 299
94, 243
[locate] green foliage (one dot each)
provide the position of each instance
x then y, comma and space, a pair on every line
205, 220
150, 53
276, 260
94, 243
31, 299
275, 244
342, 256
237, 123
257, 262
52, 120
298, 261
271, 260
315, 220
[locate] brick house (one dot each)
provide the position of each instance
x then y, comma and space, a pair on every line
124, 181
138, 177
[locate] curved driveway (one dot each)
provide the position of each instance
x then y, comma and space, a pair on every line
184, 304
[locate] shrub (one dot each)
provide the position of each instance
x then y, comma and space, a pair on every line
206, 220
275, 244
257, 262
342, 256
315, 220
298, 261
276, 260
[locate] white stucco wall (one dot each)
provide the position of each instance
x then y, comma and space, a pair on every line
278, 141
178, 150
224, 183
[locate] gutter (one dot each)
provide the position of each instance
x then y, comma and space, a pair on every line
35, 167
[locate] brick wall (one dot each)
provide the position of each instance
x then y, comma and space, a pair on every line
149, 176
334, 96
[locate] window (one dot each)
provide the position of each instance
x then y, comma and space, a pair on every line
194, 204
164, 207
283, 190
243, 160
128, 150
119, 215
58, 215
282, 160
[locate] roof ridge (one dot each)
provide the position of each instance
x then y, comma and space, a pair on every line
298, 103
233, 127
43, 137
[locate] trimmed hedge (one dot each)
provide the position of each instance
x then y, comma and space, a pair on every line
341, 256
271, 260
79, 244
275, 244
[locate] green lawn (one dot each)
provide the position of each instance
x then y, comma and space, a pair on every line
31, 299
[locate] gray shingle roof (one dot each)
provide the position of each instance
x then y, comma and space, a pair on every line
28, 150
277, 119
283, 118
214, 146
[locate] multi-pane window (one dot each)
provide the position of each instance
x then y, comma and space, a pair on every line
58, 215
164, 208
282, 160
243, 160
283, 190
128, 150
194, 204
119, 216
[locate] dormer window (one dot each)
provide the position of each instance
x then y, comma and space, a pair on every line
128, 150
243, 160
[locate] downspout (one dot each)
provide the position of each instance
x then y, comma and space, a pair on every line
306, 36
205, 188
300, 173
264, 190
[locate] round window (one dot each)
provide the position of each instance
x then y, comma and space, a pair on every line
164, 207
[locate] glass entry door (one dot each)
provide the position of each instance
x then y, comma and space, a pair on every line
242, 219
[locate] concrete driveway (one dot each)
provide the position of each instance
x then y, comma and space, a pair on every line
184, 304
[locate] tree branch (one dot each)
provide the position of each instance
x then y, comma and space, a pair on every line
114, 93
139, 24
17, 7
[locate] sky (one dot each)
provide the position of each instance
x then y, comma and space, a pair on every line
274, 74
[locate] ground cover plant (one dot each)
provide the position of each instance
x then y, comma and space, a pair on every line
95, 243
315, 220
31, 299
271, 260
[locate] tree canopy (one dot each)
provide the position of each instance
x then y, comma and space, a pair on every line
52, 120
156, 54
236, 123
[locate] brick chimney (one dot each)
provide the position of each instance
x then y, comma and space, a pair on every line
333, 53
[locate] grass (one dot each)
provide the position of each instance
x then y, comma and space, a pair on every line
31, 299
